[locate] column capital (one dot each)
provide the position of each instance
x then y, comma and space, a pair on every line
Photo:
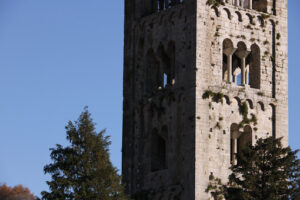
229, 51
242, 54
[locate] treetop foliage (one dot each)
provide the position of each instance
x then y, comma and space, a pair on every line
266, 171
15, 193
83, 169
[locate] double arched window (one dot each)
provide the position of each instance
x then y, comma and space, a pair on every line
240, 65
259, 5
160, 68
159, 5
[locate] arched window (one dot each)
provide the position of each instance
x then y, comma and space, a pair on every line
167, 60
160, 5
244, 141
228, 51
239, 65
228, 13
260, 5
158, 150
239, 140
172, 56
254, 71
246, 3
160, 68
153, 74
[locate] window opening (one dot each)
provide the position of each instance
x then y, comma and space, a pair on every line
238, 142
239, 80
152, 72
260, 5
158, 152
273, 118
254, 67
165, 80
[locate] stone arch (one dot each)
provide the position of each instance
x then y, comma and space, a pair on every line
227, 100
238, 100
239, 15
261, 105
241, 46
255, 68
158, 151
250, 103
239, 70
261, 21
228, 13
250, 18
228, 50
239, 140
216, 10
227, 43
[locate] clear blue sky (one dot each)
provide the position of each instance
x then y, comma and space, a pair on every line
56, 56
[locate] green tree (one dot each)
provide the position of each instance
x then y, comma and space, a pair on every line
83, 170
266, 171
296, 193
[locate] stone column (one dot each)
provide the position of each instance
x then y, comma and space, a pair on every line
229, 52
243, 55
250, 4
247, 75
235, 151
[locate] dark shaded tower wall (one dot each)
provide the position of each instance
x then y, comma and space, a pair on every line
159, 99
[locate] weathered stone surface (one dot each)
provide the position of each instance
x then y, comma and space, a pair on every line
184, 111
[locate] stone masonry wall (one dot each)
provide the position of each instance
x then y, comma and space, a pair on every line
268, 104
181, 113
168, 109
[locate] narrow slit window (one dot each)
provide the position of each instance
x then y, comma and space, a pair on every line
165, 80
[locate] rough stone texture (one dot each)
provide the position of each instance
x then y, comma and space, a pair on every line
185, 41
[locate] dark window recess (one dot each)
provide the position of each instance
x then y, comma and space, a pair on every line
158, 152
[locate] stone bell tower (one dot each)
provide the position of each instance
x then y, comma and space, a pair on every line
202, 79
